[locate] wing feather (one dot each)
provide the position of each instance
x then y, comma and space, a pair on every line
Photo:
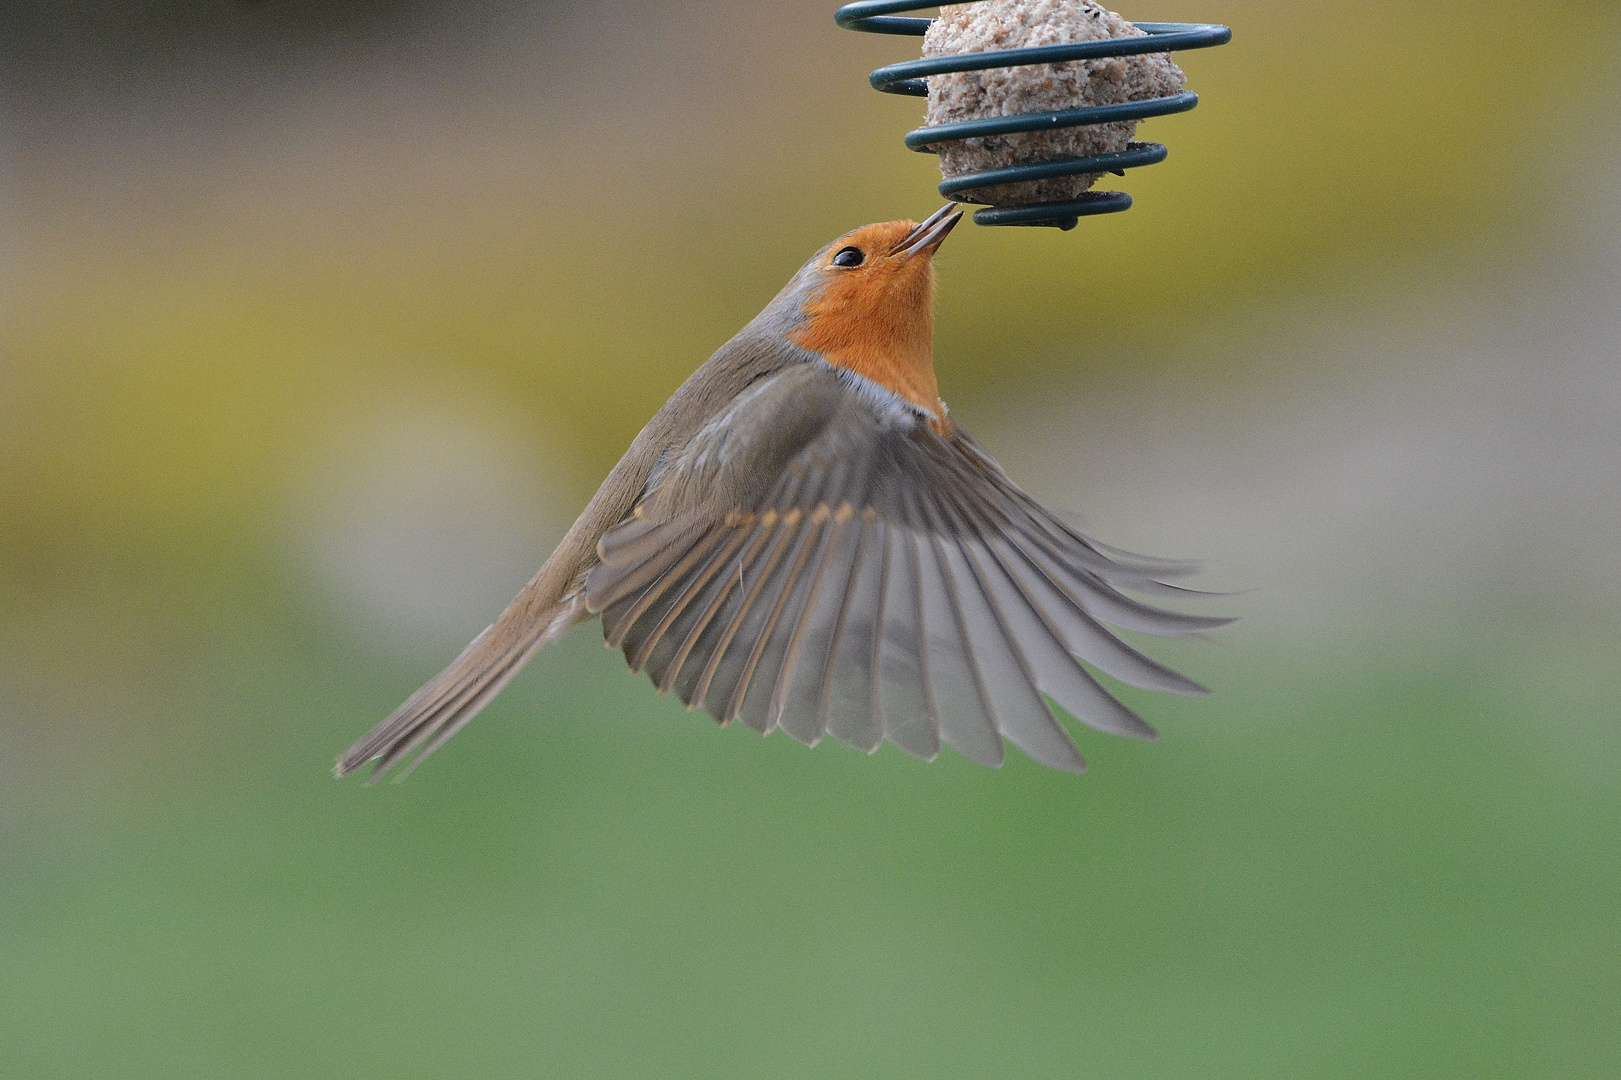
639, 590
709, 616
638, 538
614, 584
1040, 639
1008, 682
770, 659
847, 701
673, 638
795, 704
1067, 620
724, 666
659, 605
967, 706
1108, 604
907, 704
1081, 634
758, 683
888, 582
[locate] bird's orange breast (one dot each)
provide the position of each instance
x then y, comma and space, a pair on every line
880, 324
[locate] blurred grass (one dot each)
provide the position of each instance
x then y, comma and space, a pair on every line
1319, 872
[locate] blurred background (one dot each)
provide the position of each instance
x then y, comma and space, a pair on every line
320, 320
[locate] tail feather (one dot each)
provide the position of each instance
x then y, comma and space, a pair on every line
453, 697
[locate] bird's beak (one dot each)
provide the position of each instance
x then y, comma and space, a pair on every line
926, 237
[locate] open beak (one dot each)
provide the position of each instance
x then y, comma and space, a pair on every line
927, 236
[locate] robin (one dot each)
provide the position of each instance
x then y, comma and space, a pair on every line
802, 538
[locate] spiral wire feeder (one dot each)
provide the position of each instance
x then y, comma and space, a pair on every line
911, 79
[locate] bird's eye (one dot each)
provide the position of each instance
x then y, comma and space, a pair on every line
850, 256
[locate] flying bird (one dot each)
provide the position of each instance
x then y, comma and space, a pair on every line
803, 538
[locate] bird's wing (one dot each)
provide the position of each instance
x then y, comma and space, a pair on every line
819, 559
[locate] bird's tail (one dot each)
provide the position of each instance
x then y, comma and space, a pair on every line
453, 697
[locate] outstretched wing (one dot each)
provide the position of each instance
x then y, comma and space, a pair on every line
821, 560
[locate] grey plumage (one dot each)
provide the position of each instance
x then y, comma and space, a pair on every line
791, 544
952, 605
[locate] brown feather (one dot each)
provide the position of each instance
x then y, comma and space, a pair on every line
542, 610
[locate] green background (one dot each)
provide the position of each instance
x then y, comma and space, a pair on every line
320, 320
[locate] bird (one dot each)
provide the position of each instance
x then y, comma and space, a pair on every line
803, 538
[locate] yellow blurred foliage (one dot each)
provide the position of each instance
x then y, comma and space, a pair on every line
186, 316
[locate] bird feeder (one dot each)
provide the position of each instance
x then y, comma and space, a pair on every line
1025, 161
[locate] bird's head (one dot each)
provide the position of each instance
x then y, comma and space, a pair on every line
866, 302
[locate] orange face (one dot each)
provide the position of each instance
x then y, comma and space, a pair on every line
876, 314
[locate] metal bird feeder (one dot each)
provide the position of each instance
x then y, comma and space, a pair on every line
911, 79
